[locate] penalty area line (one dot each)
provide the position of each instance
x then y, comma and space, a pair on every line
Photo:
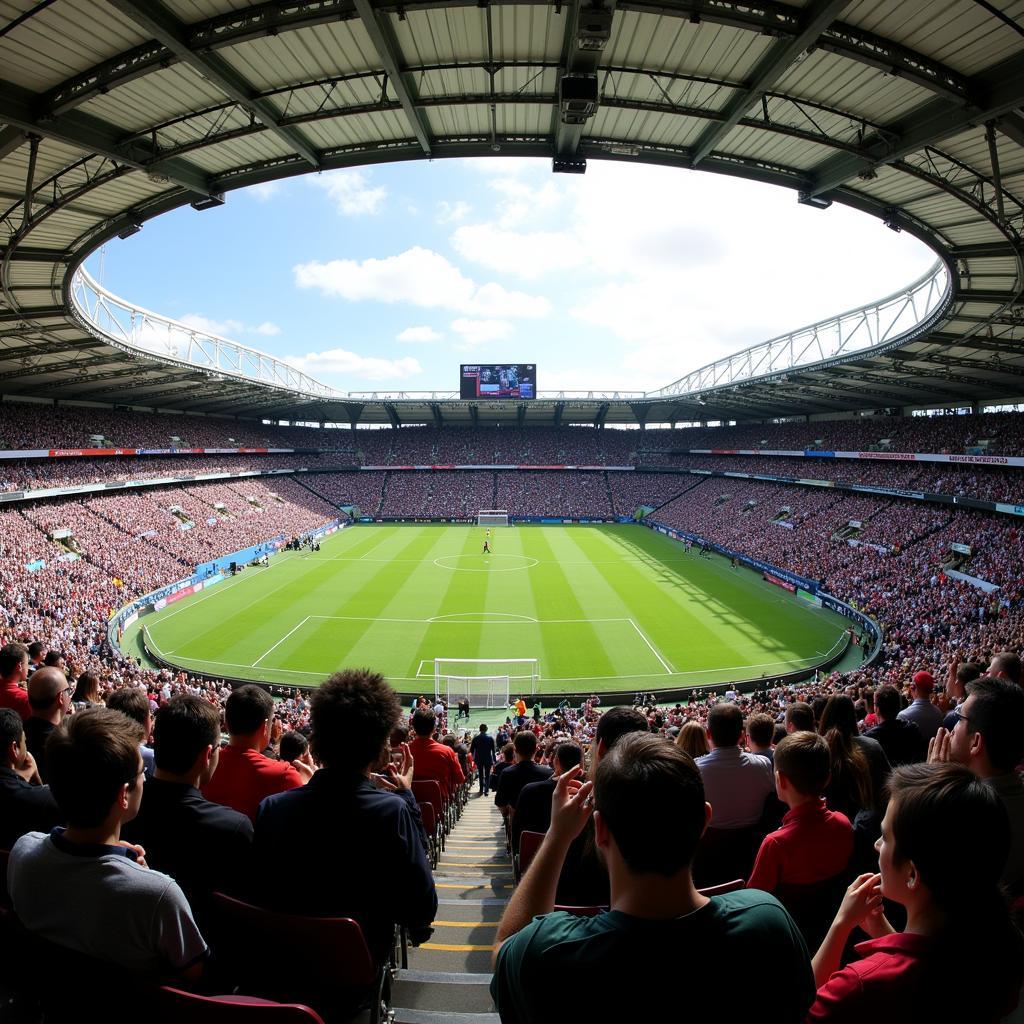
281, 641
654, 650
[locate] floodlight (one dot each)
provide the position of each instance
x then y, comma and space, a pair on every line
818, 202
132, 228
209, 202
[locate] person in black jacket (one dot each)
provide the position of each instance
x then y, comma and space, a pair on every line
482, 749
25, 804
902, 741
521, 774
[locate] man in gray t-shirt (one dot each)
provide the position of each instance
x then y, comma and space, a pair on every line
82, 887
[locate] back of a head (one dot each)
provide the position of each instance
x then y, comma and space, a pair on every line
11, 658
725, 724
86, 687
130, 701
508, 752
293, 745
11, 729
526, 744
651, 796
804, 758
53, 659
185, 726
44, 687
35, 649
424, 722
693, 740
568, 755
968, 672
88, 759
888, 702
246, 709
352, 715
616, 723
800, 715
839, 714
760, 728
1008, 664
997, 712
483, 727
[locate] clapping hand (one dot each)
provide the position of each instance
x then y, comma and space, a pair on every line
397, 777
938, 747
571, 805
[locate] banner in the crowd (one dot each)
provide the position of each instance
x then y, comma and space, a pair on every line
975, 581
769, 577
36, 564
961, 549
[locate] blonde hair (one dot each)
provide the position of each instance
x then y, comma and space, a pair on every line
693, 740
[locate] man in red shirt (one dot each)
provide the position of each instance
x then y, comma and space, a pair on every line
813, 844
244, 774
434, 760
13, 673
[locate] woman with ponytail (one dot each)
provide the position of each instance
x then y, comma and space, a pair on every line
945, 839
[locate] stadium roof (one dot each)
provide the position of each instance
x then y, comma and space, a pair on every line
115, 112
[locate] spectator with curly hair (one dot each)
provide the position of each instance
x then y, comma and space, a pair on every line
352, 835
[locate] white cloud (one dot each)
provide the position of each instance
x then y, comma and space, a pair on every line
265, 191
479, 332
418, 335
207, 325
523, 200
351, 364
267, 328
351, 191
420, 277
452, 213
530, 255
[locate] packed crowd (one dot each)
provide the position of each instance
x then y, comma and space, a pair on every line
987, 484
38, 474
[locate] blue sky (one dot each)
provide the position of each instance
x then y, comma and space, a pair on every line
386, 278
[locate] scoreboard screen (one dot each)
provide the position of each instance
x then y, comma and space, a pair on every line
491, 380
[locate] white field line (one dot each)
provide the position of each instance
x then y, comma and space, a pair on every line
435, 621
654, 650
281, 641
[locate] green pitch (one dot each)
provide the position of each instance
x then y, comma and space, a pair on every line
600, 607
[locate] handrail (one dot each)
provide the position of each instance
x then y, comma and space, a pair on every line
136, 329
898, 318
895, 319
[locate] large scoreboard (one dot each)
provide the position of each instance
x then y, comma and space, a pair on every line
493, 380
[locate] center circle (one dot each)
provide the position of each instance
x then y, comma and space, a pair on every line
472, 563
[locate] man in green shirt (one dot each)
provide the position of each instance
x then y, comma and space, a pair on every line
649, 814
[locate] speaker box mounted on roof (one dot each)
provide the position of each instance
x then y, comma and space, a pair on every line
577, 98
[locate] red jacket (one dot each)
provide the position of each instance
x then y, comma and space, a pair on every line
244, 777
14, 696
432, 760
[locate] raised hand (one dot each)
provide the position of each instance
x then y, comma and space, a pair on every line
571, 805
938, 747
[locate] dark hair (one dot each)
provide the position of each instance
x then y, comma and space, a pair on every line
88, 759
11, 657
508, 751
293, 745
246, 709
185, 726
86, 684
526, 744
1007, 662
760, 728
352, 715
424, 722
725, 724
53, 659
568, 755
483, 727
955, 829
651, 796
888, 702
818, 707
968, 672
851, 788
800, 716
11, 729
616, 723
35, 648
804, 758
997, 712
130, 701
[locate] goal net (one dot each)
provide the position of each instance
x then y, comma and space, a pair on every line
485, 682
492, 517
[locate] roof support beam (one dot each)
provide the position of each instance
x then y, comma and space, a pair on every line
392, 415
8, 316
82, 131
521, 416
10, 140
383, 39
996, 92
155, 19
772, 66
983, 250
474, 416
602, 412
559, 409
438, 417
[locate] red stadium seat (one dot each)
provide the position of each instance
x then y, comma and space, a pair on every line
174, 1005
529, 844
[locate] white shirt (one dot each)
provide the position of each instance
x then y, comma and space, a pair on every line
736, 784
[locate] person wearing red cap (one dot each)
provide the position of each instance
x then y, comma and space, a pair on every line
922, 712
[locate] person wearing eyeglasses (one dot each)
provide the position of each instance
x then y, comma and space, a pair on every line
49, 700
82, 887
988, 738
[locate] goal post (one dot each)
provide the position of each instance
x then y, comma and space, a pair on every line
492, 517
485, 682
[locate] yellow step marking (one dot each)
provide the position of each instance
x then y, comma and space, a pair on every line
449, 885
465, 924
445, 948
